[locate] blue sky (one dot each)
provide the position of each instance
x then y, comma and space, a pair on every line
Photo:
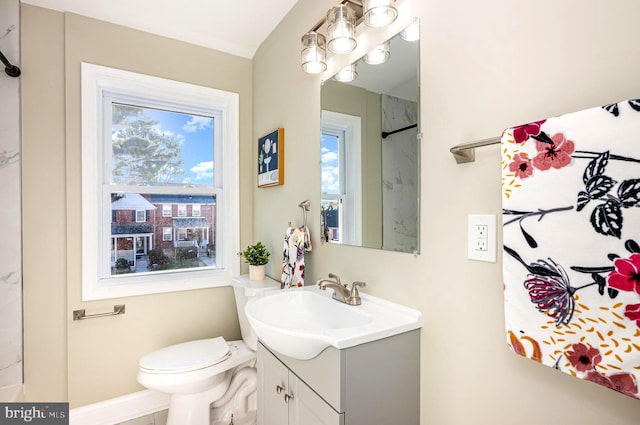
330, 165
195, 134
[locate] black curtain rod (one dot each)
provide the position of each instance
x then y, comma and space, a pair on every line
389, 133
11, 70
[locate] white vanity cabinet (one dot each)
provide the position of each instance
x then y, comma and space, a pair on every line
376, 383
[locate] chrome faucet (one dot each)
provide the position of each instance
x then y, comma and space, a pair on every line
342, 292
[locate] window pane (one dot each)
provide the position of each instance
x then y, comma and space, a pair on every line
150, 245
157, 147
332, 219
330, 164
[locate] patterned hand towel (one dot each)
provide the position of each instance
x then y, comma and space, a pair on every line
296, 242
571, 217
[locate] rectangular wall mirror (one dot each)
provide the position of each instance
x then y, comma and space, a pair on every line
370, 150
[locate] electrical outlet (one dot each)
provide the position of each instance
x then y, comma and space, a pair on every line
481, 233
479, 241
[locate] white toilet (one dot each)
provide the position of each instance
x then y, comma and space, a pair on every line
198, 373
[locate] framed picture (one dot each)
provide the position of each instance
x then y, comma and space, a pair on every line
271, 159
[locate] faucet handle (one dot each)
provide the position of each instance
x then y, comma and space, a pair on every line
354, 287
354, 297
336, 277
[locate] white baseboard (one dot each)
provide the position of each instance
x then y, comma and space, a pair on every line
120, 409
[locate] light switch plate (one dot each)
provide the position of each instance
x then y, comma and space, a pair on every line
481, 236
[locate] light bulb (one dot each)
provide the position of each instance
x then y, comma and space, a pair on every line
341, 26
412, 32
313, 53
378, 54
379, 13
347, 74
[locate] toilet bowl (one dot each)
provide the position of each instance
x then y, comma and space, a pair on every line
198, 373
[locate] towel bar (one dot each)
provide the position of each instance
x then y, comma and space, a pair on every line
466, 152
81, 315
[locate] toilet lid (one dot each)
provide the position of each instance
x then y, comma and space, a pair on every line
187, 356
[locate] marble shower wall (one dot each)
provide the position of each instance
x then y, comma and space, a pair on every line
400, 175
10, 200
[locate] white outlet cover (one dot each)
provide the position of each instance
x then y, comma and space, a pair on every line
489, 254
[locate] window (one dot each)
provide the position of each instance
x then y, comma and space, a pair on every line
141, 216
333, 187
150, 143
195, 210
341, 199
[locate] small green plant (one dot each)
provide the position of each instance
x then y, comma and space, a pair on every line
255, 255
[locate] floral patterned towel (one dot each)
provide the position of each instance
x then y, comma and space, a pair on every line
571, 217
296, 243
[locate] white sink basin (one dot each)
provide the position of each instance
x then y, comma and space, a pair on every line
301, 322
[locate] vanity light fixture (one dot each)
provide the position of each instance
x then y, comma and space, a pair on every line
379, 13
412, 32
341, 21
347, 74
314, 53
339, 26
378, 55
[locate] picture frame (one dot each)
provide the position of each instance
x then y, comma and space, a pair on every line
271, 159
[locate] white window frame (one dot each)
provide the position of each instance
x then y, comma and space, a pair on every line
167, 234
182, 210
167, 210
142, 213
97, 282
196, 208
348, 129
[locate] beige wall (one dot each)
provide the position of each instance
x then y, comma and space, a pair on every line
484, 66
94, 360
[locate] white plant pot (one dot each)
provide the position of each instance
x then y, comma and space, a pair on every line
256, 272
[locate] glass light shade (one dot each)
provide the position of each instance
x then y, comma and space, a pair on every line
341, 27
314, 53
347, 74
412, 32
379, 13
378, 54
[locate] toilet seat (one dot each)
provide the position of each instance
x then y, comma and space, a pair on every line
186, 357
197, 380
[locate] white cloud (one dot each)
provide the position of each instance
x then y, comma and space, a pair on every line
330, 179
203, 170
197, 123
329, 157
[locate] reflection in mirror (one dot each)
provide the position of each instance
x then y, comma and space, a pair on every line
370, 151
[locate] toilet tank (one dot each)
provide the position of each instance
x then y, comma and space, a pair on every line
244, 289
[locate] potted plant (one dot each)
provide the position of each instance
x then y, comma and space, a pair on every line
257, 256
